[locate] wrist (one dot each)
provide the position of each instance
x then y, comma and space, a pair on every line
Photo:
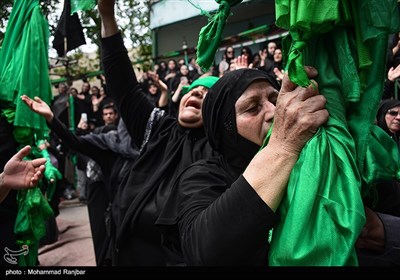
108, 14
49, 118
391, 77
1, 180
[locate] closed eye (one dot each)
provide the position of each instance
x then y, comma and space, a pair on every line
252, 109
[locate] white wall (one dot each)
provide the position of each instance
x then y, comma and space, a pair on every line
169, 11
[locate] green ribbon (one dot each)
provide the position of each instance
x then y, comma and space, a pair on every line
30, 225
210, 35
51, 173
295, 66
24, 70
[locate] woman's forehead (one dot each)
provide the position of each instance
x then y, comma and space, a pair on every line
258, 87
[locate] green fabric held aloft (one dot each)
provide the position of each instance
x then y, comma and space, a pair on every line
24, 67
210, 35
82, 5
376, 20
51, 173
303, 19
30, 226
322, 213
24, 70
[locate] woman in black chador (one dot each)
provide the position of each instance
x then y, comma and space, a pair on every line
221, 209
167, 146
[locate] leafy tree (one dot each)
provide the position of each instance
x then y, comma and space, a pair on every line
136, 28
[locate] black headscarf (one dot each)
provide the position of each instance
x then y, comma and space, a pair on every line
219, 116
384, 106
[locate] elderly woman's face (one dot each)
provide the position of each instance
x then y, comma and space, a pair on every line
255, 111
190, 108
392, 119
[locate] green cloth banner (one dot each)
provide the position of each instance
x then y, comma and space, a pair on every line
24, 70
30, 225
51, 173
322, 213
210, 35
82, 5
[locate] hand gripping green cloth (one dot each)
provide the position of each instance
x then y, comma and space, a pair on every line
210, 35
82, 5
322, 213
24, 70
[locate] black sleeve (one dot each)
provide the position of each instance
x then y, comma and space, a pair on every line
79, 144
388, 90
124, 88
390, 257
220, 226
392, 239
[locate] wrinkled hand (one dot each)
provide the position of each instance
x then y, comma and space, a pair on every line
299, 113
38, 106
372, 236
19, 174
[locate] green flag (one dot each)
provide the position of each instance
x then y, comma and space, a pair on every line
211, 34
322, 213
24, 70
81, 5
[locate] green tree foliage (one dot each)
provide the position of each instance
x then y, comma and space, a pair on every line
134, 23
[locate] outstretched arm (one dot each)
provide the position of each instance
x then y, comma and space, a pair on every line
19, 174
133, 105
80, 144
109, 25
38, 106
163, 101
177, 93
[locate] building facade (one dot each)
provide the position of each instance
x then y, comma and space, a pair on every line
176, 25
